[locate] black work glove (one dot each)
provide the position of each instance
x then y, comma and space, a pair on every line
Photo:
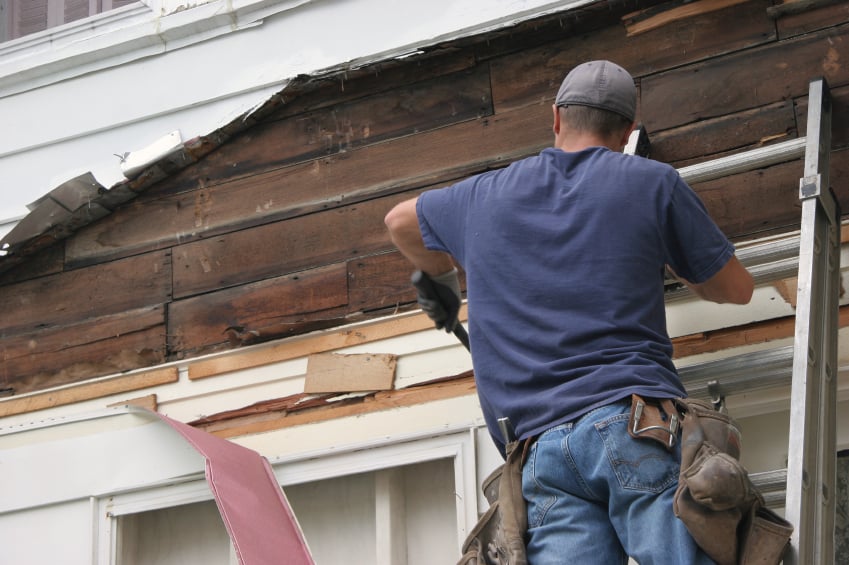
439, 297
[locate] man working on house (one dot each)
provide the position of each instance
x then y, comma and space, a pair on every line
565, 254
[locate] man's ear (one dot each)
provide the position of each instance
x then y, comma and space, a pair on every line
556, 125
627, 134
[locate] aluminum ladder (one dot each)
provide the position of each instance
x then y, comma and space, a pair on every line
807, 487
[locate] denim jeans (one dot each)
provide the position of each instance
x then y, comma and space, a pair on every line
595, 496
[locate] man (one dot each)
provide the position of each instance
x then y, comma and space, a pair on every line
565, 254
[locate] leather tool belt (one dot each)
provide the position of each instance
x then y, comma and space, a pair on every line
499, 536
715, 498
656, 419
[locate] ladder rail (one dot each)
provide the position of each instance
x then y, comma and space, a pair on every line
810, 492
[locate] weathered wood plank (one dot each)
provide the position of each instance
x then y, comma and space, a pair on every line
317, 239
750, 79
532, 76
385, 168
709, 139
756, 202
88, 391
83, 294
93, 347
272, 308
839, 116
382, 281
308, 93
48, 261
374, 282
813, 19
362, 120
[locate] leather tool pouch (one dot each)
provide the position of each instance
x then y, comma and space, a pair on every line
715, 497
499, 536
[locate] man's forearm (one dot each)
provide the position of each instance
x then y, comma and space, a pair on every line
403, 225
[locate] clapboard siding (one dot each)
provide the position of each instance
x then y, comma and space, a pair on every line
744, 80
346, 125
279, 231
274, 307
73, 352
407, 162
533, 76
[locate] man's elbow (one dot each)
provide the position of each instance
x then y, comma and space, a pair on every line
741, 291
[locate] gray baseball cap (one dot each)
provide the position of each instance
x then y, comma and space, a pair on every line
599, 84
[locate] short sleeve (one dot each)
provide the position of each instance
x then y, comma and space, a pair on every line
696, 247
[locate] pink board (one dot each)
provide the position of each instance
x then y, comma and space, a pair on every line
255, 511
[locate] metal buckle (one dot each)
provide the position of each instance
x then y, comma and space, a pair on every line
672, 430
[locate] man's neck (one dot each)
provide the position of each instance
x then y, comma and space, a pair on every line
578, 141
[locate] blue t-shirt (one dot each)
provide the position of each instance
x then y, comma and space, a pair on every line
564, 255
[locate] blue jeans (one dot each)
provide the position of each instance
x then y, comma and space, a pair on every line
596, 495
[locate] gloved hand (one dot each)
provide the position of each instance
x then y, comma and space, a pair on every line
439, 297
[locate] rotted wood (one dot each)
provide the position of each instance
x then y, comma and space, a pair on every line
71, 353
275, 415
749, 79
274, 308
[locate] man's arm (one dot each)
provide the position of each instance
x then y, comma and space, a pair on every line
732, 283
403, 225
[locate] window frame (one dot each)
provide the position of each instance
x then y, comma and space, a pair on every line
457, 444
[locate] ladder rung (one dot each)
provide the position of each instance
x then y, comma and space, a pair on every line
745, 161
742, 373
768, 261
772, 485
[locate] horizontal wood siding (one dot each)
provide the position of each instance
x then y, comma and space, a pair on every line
279, 231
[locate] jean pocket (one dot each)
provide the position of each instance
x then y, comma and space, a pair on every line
538, 493
638, 464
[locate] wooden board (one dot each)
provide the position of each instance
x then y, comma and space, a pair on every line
284, 247
336, 372
275, 307
745, 80
92, 347
813, 19
532, 76
839, 116
405, 163
359, 121
740, 131
73, 296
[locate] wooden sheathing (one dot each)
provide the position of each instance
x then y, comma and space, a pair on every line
279, 230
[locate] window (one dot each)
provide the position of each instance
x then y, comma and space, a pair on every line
23, 17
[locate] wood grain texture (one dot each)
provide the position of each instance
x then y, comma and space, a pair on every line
277, 307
